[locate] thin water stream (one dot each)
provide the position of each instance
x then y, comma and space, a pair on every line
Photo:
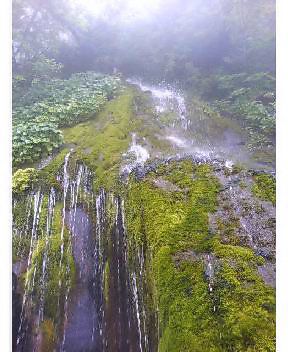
102, 308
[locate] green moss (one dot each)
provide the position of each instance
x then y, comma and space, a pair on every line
227, 228
106, 281
265, 188
49, 337
172, 224
245, 305
54, 275
47, 176
168, 117
101, 142
176, 222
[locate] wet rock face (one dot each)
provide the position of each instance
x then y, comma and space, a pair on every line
16, 310
111, 305
84, 303
81, 235
242, 219
268, 273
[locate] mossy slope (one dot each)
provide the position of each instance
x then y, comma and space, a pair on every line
238, 314
100, 142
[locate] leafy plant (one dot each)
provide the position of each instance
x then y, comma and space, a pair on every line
23, 179
31, 140
50, 105
251, 100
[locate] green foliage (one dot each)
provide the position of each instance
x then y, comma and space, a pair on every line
247, 98
31, 140
265, 187
23, 180
63, 91
48, 106
45, 68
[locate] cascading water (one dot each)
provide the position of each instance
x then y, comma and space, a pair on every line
193, 139
22, 336
137, 155
167, 100
50, 213
103, 307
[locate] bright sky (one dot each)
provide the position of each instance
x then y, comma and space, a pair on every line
135, 9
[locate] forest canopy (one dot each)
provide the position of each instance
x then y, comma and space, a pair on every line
170, 40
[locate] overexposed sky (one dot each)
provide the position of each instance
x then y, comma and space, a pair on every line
132, 9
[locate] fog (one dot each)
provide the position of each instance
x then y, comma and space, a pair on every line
170, 40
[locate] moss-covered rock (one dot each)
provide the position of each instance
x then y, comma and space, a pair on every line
196, 314
265, 187
100, 143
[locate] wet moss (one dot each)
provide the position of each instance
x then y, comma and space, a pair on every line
265, 188
245, 306
167, 118
193, 318
20, 213
58, 279
100, 143
49, 337
227, 229
47, 176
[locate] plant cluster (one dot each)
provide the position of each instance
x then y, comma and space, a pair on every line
251, 100
23, 180
31, 140
49, 105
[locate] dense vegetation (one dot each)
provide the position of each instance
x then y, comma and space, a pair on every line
248, 98
49, 105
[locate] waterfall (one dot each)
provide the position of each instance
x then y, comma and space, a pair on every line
136, 156
167, 99
92, 227
29, 284
65, 189
50, 213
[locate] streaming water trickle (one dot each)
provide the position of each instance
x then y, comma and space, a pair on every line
22, 232
65, 189
104, 309
43, 279
136, 155
29, 282
166, 99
